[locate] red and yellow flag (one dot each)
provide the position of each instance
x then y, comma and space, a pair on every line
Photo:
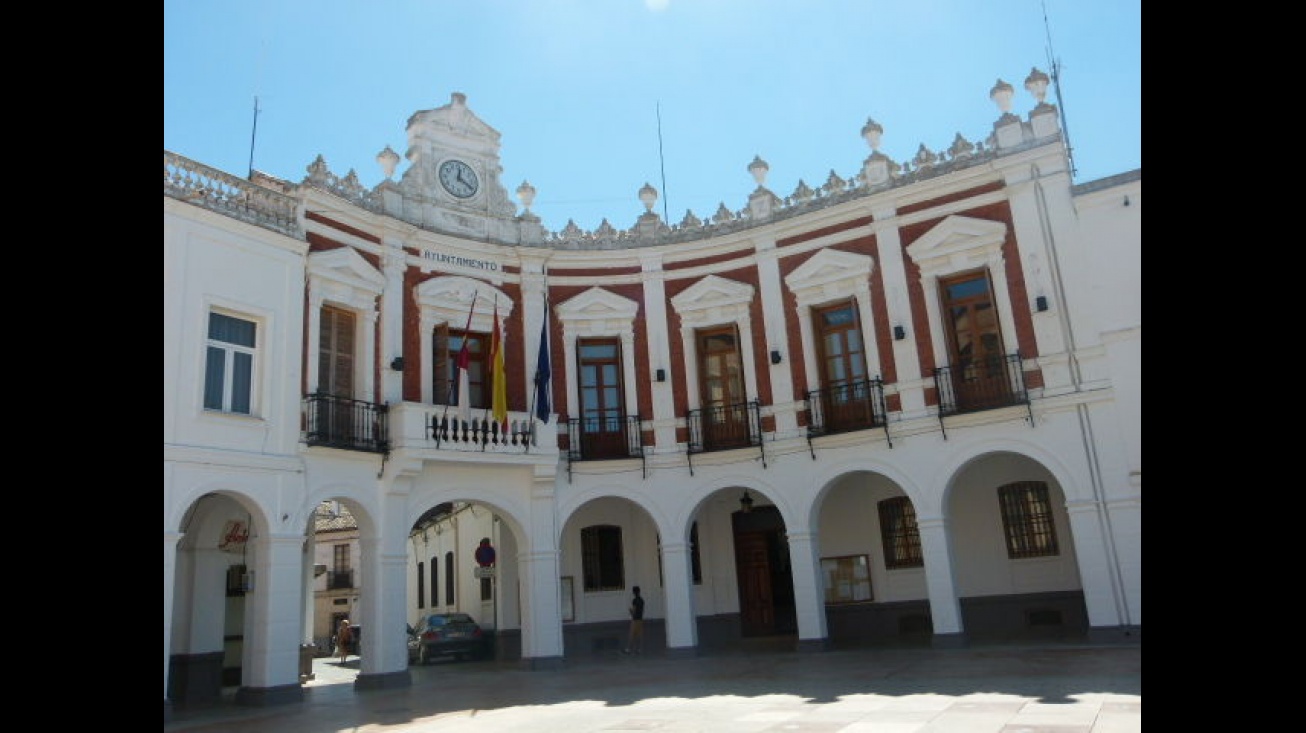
498, 380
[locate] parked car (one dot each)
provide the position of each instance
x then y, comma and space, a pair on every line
454, 635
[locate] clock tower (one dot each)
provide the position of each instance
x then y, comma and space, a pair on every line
452, 181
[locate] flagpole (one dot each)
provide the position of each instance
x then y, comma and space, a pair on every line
448, 398
543, 356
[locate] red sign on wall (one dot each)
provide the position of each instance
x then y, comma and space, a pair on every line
234, 535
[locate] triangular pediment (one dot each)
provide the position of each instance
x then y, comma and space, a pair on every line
452, 121
713, 291
597, 303
827, 266
344, 265
451, 299
957, 234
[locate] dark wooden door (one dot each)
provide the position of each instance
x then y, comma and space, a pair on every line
752, 563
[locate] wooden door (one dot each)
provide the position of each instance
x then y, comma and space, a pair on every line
752, 563
979, 373
721, 382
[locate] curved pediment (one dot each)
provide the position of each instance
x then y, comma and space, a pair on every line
451, 297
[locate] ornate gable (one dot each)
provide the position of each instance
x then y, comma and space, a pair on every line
959, 243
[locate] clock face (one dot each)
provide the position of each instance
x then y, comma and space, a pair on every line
458, 178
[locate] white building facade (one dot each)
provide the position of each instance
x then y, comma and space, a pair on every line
904, 406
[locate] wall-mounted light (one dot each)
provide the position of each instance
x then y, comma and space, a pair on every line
660, 375
1041, 303
397, 363
775, 356
746, 502
899, 333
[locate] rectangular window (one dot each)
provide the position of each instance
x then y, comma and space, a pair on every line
229, 364
421, 585
1027, 520
447, 344
602, 415
448, 579
847, 579
435, 582
899, 534
601, 558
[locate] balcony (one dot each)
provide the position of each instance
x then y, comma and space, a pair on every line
340, 579
983, 384
724, 427
843, 408
349, 424
604, 438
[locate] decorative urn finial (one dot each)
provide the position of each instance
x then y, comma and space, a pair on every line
649, 196
388, 160
758, 168
1001, 94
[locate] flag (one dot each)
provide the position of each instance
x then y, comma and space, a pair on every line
543, 383
498, 380
461, 380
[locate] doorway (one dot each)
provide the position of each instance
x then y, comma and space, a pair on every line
764, 572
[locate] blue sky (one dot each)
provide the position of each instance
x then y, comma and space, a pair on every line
576, 87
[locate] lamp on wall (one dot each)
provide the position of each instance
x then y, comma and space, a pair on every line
1041, 303
397, 363
775, 356
899, 333
661, 375
746, 502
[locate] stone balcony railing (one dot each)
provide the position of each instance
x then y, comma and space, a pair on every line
196, 183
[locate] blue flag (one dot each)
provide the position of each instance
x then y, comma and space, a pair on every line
543, 375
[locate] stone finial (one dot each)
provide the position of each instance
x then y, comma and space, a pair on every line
388, 160
648, 196
458, 99
960, 148
759, 168
925, 158
1001, 93
1037, 84
526, 194
871, 133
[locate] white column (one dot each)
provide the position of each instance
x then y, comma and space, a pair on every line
273, 616
540, 566
775, 319
659, 353
393, 264
809, 593
945, 609
678, 591
170, 540
894, 272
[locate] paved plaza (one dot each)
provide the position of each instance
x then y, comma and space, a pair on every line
997, 688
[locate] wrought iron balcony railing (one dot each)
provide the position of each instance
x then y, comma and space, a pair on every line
341, 422
843, 408
723, 427
598, 438
340, 579
982, 384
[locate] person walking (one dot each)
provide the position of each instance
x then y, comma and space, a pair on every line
635, 640
344, 637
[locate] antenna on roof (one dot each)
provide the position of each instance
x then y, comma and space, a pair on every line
1055, 64
255, 132
662, 164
